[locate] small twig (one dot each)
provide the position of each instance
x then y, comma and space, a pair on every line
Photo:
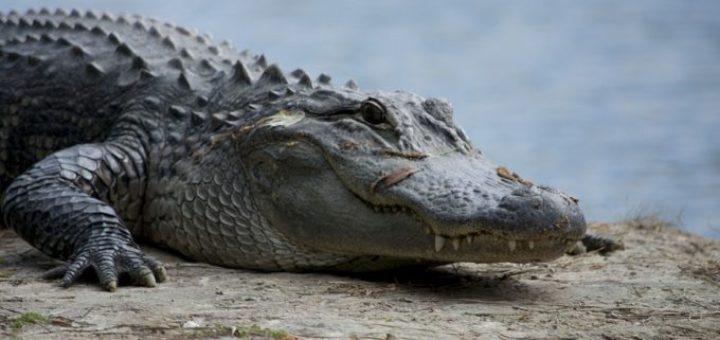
393, 178
10, 310
414, 155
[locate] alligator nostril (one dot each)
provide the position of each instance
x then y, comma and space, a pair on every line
515, 202
525, 191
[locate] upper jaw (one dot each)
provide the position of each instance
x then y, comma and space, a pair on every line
461, 199
529, 224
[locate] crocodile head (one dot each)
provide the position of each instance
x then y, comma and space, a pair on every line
390, 175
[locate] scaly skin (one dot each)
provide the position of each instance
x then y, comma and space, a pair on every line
116, 127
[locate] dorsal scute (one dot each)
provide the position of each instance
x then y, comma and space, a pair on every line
324, 79
305, 81
170, 54
272, 76
241, 74
184, 82
351, 84
91, 15
261, 61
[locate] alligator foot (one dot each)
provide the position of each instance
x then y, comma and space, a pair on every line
109, 264
80, 228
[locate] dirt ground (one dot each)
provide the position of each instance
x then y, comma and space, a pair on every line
665, 285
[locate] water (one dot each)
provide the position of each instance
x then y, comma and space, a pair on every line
615, 102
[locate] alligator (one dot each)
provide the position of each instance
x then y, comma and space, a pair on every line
119, 128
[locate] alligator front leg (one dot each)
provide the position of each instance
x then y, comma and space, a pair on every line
67, 207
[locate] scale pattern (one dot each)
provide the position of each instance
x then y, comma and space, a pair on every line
127, 98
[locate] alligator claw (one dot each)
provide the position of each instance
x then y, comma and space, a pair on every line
601, 244
109, 265
592, 242
55, 273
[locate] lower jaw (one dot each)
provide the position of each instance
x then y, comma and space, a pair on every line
422, 251
479, 247
485, 248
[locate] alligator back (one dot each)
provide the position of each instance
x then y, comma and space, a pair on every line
66, 77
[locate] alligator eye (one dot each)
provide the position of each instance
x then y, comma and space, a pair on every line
373, 112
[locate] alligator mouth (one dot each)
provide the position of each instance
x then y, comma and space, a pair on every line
456, 208
447, 243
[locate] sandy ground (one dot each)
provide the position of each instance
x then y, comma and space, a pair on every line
666, 284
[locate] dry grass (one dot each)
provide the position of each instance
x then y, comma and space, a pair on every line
708, 271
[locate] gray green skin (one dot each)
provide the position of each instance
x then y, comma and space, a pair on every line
118, 128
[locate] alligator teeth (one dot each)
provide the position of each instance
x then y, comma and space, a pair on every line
469, 239
531, 245
439, 242
456, 243
512, 244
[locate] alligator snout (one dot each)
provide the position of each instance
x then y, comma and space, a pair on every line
461, 196
543, 210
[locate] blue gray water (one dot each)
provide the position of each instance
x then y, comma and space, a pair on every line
615, 102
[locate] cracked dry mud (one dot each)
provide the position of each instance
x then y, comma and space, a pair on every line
665, 285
